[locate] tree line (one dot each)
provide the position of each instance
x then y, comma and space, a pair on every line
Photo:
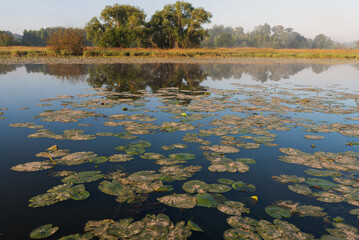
265, 36
177, 25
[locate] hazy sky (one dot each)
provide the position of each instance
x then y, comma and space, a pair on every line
338, 19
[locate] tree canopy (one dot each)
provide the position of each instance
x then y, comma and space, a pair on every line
118, 26
178, 25
6, 39
264, 36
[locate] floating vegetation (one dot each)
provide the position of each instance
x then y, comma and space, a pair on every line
258, 116
76, 158
135, 148
221, 149
58, 194
150, 227
173, 146
83, 177
277, 212
297, 188
227, 165
243, 187
44, 231
313, 137
288, 178
179, 201
232, 208
33, 166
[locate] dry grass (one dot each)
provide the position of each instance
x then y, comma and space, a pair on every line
21, 51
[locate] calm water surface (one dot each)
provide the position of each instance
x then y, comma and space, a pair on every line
228, 85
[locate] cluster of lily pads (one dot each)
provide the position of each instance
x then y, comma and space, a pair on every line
256, 113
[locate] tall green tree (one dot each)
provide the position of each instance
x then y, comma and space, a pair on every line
118, 26
178, 25
6, 39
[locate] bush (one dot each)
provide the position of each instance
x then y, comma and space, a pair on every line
69, 40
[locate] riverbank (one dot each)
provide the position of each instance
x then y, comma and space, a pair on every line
185, 60
41, 55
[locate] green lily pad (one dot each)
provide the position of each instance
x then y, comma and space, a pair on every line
125, 135
43, 231
246, 160
218, 188
324, 184
205, 200
322, 173
135, 150
99, 160
140, 144
114, 188
58, 194
243, 187
194, 226
182, 156
195, 186
83, 177
277, 212
225, 181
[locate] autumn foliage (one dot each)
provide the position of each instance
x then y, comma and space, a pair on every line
68, 41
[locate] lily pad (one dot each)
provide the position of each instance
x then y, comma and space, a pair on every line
178, 201
152, 156
182, 156
58, 194
232, 208
33, 166
277, 212
297, 188
288, 178
195, 186
246, 160
205, 200
328, 197
194, 226
218, 188
120, 158
44, 231
243, 187
98, 160
313, 137
324, 184
83, 177
225, 181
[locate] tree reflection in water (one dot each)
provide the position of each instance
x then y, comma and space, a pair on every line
135, 77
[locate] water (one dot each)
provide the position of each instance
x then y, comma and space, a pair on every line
234, 90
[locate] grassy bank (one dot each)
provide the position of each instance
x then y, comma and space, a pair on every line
31, 52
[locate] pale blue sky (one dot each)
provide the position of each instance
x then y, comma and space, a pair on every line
338, 19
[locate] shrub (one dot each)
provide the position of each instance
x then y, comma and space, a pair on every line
69, 40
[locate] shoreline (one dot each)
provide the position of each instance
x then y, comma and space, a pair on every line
178, 60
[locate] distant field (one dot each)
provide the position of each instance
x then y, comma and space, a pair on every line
25, 52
